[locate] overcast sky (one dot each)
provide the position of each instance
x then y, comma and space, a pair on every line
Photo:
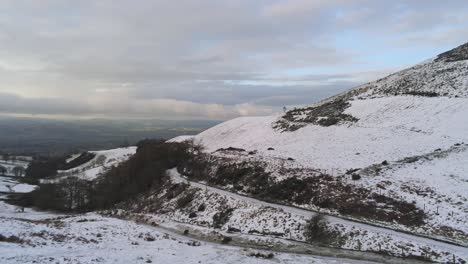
202, 59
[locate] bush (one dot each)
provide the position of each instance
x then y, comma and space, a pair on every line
221, 218
262, 255
242, 174
317, 232
185, 200
11, 239
226, 240
422, 93
192, 215
201, 208
355, 177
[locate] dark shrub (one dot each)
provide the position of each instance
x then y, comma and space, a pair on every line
421, 93
317, 232
185, 200
149, 238
11, 239
355, 176
201, 208
221, 218
192, 215
262, 255
233, 230
226, 240
231, 149
330, 121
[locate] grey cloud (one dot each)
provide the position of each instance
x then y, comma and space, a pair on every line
141, 56
122, 107
10, 103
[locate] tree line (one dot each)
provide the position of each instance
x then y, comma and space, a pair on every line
143, 171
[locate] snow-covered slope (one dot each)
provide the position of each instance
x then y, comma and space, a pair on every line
389, 128
103, 160
410, 112
406, 135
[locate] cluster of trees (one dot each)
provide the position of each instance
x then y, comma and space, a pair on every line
42, 168
18, 171
143, 171
82, 159
70, 194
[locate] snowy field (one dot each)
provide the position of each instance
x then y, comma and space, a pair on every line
95, 239
8, 184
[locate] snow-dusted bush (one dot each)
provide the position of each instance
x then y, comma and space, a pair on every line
185, 199
317, 232
221, 218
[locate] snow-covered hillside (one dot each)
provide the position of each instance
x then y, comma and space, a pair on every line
102, 161
389, 128
404, 136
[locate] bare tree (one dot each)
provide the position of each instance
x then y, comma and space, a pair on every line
18, 171
74, 191
3, 170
